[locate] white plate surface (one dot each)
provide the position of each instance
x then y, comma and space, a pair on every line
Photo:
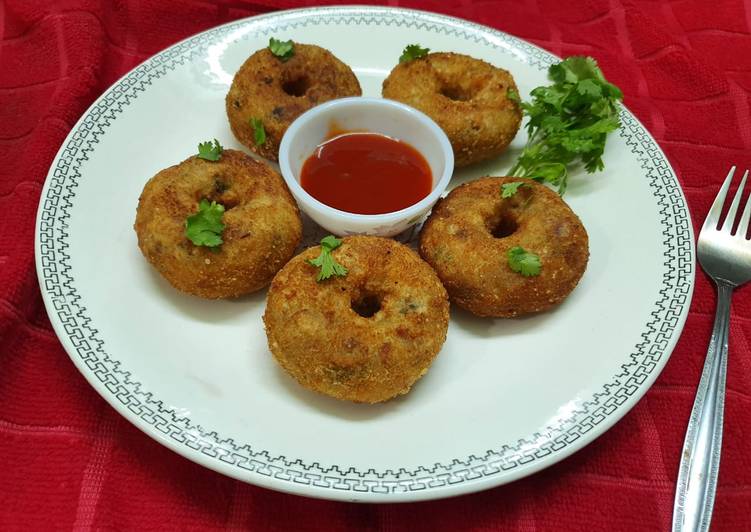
503, 399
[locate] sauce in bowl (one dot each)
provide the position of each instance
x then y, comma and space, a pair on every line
366, 173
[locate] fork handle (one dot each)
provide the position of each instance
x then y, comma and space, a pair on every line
700, 459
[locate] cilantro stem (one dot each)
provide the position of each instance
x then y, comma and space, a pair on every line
515, 170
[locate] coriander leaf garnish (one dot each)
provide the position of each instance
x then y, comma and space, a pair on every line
413, 51
568, 122
509, 189
259, 132
205, 227
210, 151
326, 262
524, 262
284, 50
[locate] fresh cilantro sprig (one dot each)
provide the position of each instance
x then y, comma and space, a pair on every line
568, 122
413, 51
211, 151
509, 189
205, 227
523, 261
259, 132
326, 262
284, 50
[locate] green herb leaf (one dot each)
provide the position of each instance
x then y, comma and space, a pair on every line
513, 95
509, 189
205, 227
284, 50
568, 122
210, 151
413, 51
326, 262
259, 132
524, 262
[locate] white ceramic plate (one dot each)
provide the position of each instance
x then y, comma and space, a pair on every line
503, 399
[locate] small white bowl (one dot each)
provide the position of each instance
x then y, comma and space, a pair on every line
376, 115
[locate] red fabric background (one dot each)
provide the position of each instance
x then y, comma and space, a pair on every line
67, 460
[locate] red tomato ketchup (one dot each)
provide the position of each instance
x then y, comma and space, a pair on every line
366, 173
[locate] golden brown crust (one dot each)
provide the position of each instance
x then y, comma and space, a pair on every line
318, 338
466, 97
258, 91
262, 225
457, 241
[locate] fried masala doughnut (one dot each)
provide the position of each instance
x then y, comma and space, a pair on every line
466, 97
276, 92
469, 233
365, 337
262, 225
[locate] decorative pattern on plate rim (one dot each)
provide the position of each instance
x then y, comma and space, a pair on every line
69, 309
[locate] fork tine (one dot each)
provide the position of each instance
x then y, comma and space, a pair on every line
743, 224
713, 217
727, 226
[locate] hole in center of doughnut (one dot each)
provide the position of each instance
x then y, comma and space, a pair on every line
366, 305
297, 86
503, 227
456, 93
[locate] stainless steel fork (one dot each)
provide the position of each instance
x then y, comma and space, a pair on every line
726, 257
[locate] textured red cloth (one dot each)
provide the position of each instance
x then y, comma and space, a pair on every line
67, 460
